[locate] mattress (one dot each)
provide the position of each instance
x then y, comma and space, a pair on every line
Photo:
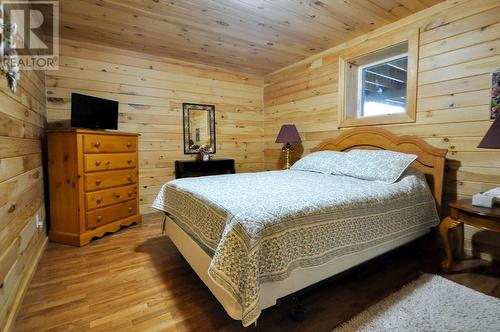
260, 227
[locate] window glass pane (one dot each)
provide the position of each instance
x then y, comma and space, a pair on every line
383, 87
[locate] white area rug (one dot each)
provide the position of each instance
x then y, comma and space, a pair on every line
430, 303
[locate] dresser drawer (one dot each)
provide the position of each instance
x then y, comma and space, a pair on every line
111, 213
109, 143
102, 198
103, 180
105, 161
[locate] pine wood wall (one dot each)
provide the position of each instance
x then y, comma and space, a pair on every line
459, 48
151, 91
22, 120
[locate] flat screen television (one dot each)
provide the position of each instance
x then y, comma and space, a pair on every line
92, 112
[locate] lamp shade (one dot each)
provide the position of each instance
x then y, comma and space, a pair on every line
288, 134
492, 138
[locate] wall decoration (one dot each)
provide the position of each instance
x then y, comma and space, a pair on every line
495, 95
7, 51
199, 128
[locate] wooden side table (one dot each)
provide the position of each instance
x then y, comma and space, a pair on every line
463, 212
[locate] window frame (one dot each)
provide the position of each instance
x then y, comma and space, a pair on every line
349, 106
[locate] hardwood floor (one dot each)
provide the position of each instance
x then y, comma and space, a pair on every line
136, 280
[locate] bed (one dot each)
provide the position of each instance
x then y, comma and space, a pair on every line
257, 237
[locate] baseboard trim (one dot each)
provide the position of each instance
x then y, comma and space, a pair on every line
11, 319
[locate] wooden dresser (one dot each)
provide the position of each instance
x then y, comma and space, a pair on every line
93, 183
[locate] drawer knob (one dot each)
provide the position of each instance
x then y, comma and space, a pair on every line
99, 218
98, 162
108, 162
129, 194
129, 144
97, 144
130, 209
117, 196
98, 200
129, 178
129, 161
97, 182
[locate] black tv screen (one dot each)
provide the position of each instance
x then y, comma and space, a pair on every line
92, 112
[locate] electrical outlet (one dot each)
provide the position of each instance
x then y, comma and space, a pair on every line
38, 221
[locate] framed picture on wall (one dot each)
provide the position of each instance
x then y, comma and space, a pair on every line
495, 95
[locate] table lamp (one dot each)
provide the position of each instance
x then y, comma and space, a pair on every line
492, 138
490, 141
288, 134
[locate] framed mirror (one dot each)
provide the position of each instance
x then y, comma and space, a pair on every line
199, 127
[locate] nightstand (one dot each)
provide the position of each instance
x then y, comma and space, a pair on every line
463, 212
194, 168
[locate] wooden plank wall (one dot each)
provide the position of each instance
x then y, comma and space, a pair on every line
151, 91
22, 121
459, 48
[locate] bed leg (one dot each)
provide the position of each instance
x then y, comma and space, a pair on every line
163, 225
298, 313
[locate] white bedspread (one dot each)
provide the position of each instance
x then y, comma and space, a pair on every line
258, 227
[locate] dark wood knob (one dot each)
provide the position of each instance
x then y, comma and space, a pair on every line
130, 209
97, 144
130, 194
129, 144
98, 162
129, 161
97, 182
129, 177
99, 218
98, 200
117, 196
108, 162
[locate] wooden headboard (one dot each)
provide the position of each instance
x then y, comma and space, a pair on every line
430, 159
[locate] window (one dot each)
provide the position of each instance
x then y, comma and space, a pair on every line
383, 87
379, 86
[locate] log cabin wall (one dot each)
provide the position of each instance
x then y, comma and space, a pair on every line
151, 91
459, 48
22, 121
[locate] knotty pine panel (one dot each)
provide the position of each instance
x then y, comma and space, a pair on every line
151, 91
243, 36
458, 50
22, 120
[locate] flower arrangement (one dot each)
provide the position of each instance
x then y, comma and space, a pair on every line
204, 152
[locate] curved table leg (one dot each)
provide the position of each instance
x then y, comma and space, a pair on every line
447, 224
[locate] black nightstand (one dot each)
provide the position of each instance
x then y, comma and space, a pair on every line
192, 168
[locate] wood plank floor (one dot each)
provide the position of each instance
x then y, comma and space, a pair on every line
136, 280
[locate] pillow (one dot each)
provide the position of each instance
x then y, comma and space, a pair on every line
376, 165
326, 162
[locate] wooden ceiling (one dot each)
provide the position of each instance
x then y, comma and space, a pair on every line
252, 36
